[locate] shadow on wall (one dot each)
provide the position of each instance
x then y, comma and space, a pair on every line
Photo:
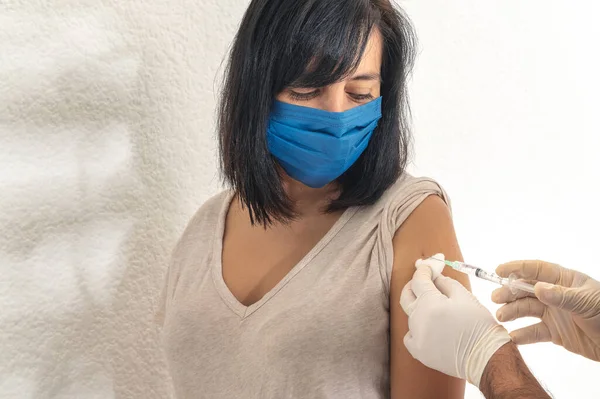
91, 204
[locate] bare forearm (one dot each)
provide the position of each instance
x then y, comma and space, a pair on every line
506, 376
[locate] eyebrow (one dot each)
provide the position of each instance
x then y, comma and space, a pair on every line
367, 76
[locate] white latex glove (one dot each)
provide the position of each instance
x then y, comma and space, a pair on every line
449, 330
569, 311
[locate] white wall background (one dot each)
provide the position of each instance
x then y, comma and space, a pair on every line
504, 97
107, 148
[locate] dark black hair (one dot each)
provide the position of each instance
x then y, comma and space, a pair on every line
310, 43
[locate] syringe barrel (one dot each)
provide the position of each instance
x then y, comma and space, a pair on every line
465, 268
477, 272
493, 277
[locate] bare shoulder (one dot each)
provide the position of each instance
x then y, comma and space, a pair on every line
427, 231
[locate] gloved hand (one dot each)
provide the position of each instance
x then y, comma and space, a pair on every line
569, 310
449, 330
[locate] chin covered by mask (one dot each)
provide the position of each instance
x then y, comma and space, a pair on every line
315, 146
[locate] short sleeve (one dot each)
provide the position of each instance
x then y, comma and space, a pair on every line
402, 199
168, 287
203, 223
161, 308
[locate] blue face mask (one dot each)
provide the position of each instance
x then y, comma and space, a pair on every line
316, 147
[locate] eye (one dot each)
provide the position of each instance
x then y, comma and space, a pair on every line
361, 97
303, 96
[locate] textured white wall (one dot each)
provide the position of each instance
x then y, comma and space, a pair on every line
106, 133
107, 147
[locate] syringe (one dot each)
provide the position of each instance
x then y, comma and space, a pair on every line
511, 282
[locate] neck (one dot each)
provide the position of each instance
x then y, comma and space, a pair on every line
309, 201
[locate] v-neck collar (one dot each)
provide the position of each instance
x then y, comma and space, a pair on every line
239, 308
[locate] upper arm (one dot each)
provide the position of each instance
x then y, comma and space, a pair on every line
427, 231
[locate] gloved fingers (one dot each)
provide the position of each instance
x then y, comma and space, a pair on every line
409, 343
422, 282
525, 307
448, 286
568, 299
505, 295
435, 262
531, 270
532, 334
408, 299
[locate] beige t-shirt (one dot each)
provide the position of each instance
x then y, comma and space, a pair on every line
322, 332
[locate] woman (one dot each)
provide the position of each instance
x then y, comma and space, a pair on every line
287, 285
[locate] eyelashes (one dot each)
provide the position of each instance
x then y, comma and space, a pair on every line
362, 97
303, 96
314, 94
